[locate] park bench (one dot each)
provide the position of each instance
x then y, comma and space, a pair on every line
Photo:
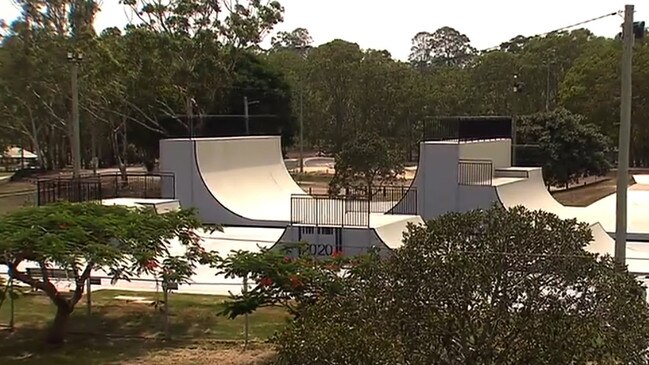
36, 273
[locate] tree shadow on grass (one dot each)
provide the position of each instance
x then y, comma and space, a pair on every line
110, 334
117, 331
25, 346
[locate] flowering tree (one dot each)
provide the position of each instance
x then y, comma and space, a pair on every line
280, 278
80, 238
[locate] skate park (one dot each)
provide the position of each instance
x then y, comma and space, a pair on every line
243, 182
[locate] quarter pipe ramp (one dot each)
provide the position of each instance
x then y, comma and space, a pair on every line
236, 181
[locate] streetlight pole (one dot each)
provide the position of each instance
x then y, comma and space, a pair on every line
75, 140
625, 136
304, 51
301, 128
547, 90
246, 115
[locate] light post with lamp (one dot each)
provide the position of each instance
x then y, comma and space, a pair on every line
75, 59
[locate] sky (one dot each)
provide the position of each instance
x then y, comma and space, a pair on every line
391, 24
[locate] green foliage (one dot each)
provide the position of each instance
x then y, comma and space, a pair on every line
367, 159
202, 57
483, 287
297, 39
119, 240
182, 54
446, 47
280, 278
568, 147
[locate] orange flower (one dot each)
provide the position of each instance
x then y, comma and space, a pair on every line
151, 264
337, 254
266, 281
295, 281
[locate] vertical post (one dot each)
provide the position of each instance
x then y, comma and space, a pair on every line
301, 128
88, 297
165, 294
11, 301
246, 323
245, 113
547, 90
76, 140
93, 148
513, 161
625, 135
190, 116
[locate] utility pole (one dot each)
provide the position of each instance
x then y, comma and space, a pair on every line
517, 88
245, 113
547, 90
302, 128
304, 52
75, 59
625, 135
189, 107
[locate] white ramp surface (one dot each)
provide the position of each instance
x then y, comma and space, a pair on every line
531, 193
247, 176
236, 181
641, 179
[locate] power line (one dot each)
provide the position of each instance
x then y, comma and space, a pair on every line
561, 29
497, 47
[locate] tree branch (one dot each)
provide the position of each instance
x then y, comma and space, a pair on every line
48, 287
80, 283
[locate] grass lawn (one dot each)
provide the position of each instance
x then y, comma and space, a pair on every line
312, 177
118, 332
12, 202
586, 195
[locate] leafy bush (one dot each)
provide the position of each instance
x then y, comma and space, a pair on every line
483, 287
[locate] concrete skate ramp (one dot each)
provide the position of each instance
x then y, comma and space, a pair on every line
390, 228
236, 181
637, 253
531, 193
247, 176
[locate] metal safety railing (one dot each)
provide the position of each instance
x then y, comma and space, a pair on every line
105, 186
475, 172
353, 207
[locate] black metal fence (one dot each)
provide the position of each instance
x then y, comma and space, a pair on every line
475, 172
467, 128
390, 199
527, 155
105, 186
353, 207
324, 210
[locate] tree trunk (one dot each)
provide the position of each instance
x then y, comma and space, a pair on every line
56, 334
